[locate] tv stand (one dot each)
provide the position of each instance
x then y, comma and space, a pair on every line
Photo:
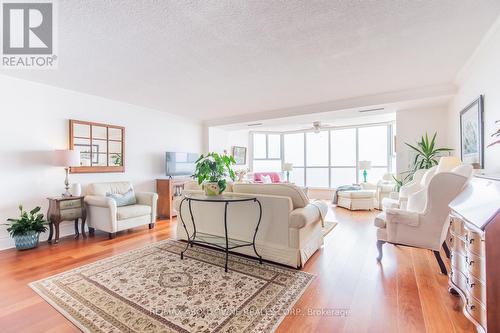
167, 190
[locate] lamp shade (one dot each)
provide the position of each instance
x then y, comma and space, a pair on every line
287, 167
67, 158
365, 165
446, 163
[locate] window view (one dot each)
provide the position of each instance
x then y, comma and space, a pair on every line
267, 152
326, 159
343, 155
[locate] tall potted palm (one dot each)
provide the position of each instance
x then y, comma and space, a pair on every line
26, 229
212, 171
426, 153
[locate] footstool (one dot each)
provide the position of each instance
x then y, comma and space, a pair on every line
357, 200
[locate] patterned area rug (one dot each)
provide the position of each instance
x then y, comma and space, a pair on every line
152, 290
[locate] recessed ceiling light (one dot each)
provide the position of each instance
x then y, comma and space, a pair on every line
254, 124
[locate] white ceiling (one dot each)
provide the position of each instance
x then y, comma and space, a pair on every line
215, 59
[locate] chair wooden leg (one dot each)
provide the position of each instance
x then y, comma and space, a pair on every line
446, 250
440, 263
112, 235
379, 248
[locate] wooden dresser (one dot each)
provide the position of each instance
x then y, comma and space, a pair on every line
475, 251
167, 190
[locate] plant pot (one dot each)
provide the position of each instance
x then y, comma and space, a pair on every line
211, 189
27, 241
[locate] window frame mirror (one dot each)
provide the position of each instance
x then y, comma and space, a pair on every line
100, 153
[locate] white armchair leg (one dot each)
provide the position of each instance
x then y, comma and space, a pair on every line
379, 248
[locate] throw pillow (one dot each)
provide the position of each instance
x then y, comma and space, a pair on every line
125, 199
266, 179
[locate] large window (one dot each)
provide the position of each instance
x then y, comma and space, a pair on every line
329, 158
267, 152
343, 157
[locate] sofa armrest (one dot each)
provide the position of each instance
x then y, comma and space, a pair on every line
311, 213
100, 201
394, 215
146, 198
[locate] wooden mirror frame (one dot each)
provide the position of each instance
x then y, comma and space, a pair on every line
97, 168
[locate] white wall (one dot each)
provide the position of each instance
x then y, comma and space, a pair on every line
35, 122
480, 76
412, 124
221, 139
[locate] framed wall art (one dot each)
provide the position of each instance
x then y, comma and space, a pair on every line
472, 133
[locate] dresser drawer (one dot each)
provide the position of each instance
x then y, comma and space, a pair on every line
71, 214
476, 311
457, 226
476, 266
459, 279
459, 262
457, 245
474, 242
67, 204
476, 289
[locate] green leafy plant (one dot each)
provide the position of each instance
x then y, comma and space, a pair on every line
215, 168
116, 159
426, 153
399, 183
27, 221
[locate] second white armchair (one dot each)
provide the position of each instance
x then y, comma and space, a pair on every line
103, 213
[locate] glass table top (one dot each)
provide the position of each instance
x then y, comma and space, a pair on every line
226, 197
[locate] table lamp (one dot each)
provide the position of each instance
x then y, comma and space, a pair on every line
287, 167
365, 165
67, 158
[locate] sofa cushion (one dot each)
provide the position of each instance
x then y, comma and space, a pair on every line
125, 199
295, 193
361, 194
128, 212
103, 188
274, 176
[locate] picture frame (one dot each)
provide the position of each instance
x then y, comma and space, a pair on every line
472, 133
239, 154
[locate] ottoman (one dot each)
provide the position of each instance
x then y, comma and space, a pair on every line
357, 200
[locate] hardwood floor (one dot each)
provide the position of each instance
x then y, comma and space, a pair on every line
405, 293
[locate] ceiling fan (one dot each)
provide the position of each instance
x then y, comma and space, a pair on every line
317, 126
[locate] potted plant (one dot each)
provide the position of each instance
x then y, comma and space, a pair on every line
27, 228
212, 171
426, 154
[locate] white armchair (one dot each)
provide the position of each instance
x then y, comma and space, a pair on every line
421, 179
423, 225
103, 214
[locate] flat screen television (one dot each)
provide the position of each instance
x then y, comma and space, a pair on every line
180, 164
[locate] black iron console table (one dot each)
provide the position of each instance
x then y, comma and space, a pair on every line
207, 239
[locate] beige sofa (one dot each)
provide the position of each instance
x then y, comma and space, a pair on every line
290, 231
103, 214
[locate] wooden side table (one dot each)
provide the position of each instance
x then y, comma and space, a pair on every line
65, 209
